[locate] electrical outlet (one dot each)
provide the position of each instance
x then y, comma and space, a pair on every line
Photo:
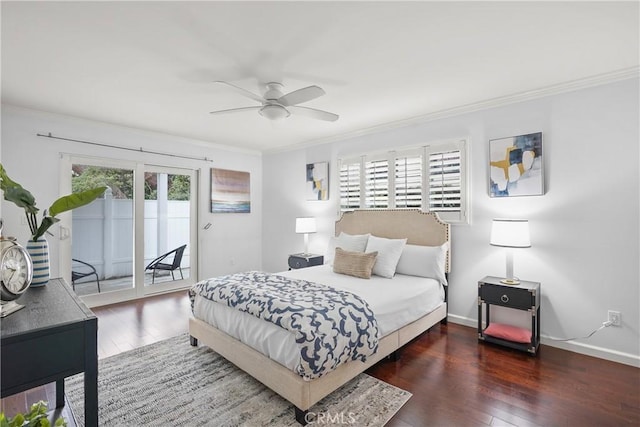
614, 317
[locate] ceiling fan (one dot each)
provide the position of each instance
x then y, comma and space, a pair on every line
276, 106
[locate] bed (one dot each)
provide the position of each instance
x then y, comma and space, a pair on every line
275, 369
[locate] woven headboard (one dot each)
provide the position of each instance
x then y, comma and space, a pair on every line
419, 228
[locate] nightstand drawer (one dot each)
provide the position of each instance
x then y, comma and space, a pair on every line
508, 296
304, 260
297, 262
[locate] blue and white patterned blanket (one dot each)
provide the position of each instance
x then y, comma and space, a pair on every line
331, 326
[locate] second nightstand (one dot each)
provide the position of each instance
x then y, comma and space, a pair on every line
304, 260
524, 296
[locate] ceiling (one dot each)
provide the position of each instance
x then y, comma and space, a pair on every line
150, 65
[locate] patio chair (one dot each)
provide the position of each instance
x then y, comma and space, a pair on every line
157, 263
80, 270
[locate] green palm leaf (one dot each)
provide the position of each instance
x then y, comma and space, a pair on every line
76, 200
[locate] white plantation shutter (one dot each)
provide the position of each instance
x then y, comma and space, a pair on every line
444, 181
446, 185
408, 181
376, 178
431, 178
350, 185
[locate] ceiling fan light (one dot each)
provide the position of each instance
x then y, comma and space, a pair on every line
274, 112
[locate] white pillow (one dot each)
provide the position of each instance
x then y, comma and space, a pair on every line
347, 242
389, 251
424, 261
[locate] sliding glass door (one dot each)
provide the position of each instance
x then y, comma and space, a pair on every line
102, 233
138, 238
169, 228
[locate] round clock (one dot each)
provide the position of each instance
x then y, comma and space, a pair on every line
16, 270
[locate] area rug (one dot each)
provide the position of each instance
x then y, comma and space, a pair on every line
171, 383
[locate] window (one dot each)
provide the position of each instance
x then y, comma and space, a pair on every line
408, 181
431, 178
445, 181
376, 183
350, 186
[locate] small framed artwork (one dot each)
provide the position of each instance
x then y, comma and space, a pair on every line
318, 181
230, 191
516, 166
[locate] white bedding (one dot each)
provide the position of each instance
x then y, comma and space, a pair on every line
394, 302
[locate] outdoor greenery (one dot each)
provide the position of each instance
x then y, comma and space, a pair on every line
179, 187
121, 182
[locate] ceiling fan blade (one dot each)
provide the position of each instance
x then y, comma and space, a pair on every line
235, 110
242, 91
301, 95
313, 113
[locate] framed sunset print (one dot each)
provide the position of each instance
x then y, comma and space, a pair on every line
230, 191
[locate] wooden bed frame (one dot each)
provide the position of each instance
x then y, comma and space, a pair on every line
420, 229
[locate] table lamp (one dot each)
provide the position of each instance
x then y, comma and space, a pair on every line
305, 226
510, 233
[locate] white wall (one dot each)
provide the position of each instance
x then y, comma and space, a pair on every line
585, 229
586, 266
232, 244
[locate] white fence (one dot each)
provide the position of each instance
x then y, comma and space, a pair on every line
103, 233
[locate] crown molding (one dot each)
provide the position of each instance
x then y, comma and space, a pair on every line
570, 86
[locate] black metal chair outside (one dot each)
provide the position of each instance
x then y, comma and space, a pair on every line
157, 263
81, 270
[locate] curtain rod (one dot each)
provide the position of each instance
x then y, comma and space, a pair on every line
140, 150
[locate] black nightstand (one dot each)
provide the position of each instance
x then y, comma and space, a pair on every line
524, 296
304, 260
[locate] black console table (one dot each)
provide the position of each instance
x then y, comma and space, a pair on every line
54, 336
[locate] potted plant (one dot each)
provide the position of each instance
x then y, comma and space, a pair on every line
37, 245
36, 417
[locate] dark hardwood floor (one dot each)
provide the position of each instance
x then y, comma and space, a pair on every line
125, 326
455, 380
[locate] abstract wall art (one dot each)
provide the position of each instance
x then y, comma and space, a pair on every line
230, 191
516, 166
318, 181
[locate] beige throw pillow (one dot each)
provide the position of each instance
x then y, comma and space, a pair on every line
358, 264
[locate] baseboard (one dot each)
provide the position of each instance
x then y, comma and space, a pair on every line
575, 347
101, 300
591, 350
472, 323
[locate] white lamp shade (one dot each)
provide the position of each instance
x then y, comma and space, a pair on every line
306, 225
510, 233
